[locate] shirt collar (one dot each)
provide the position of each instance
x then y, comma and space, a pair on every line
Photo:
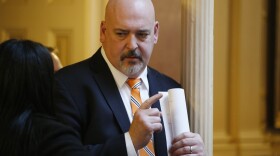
119, 77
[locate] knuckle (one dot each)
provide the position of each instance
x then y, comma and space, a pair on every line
185, 149
147, 101
137, 112
149, 128
157, 126
184, 142
196, 135
185, 135
155, 110
158, 119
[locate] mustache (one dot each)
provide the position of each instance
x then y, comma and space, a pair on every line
132, 53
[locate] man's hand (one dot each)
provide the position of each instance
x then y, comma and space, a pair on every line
145, 122
187, 144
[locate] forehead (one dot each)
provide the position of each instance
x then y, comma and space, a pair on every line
135, 13
131, 21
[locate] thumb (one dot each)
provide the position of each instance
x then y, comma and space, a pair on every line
149, 102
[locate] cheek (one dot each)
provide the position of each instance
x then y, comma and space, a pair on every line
117, 43
115, 54
147, 49
117, 51
147, 57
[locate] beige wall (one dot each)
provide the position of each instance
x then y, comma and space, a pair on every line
51, 22
239, 80
167, 52
221, 129
70, 25
94, 13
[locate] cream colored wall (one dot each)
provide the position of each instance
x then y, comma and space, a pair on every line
222, 134
57, 23
167, 52
239, 79
94, 14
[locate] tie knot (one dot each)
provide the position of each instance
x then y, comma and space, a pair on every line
134, 83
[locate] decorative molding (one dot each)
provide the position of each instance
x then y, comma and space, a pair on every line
62, 40
252, 136
227, 149
222, 138
255, 149
248, 143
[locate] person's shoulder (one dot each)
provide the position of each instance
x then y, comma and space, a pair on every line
81, 68
163, 77
74, 68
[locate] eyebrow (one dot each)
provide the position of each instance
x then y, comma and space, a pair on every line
123, 30
144, 31
118, 29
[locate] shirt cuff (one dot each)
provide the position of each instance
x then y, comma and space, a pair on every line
129, 145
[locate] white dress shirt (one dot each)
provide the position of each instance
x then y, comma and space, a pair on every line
125, 92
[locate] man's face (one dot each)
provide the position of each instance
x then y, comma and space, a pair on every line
128, 36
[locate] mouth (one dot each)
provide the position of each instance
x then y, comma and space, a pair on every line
132, 56
132, 60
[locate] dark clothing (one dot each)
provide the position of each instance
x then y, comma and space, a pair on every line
87, 99
39, 135
57, 139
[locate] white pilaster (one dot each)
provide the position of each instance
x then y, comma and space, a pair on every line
197, 74
94, 14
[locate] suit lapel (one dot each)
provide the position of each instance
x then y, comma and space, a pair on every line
108, 87
160, 139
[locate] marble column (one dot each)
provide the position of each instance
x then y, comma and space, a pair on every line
197, 69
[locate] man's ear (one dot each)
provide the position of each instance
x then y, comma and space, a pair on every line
102, 31
156, 32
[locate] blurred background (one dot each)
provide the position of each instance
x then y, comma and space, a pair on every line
246, 58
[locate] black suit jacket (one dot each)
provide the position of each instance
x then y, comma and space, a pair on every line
87, 98
52, 138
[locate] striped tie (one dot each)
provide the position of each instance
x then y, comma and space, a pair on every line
135, 101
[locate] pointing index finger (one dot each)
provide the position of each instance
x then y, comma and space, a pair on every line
149, 102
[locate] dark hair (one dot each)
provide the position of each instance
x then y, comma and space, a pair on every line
26, 87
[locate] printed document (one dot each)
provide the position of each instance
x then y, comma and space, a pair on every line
174, 114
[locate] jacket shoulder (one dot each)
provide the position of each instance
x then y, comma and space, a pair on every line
163, 79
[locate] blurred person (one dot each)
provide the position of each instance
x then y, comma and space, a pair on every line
95, 96
27, 119
56, 61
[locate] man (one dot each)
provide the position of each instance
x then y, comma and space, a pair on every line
93, 96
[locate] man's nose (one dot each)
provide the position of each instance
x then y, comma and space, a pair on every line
132, 42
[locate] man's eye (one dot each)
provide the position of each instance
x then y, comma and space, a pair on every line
121, 34
142, 35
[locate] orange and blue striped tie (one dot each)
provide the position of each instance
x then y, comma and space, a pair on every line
135, 102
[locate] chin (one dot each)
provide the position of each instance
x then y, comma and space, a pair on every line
133, 70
